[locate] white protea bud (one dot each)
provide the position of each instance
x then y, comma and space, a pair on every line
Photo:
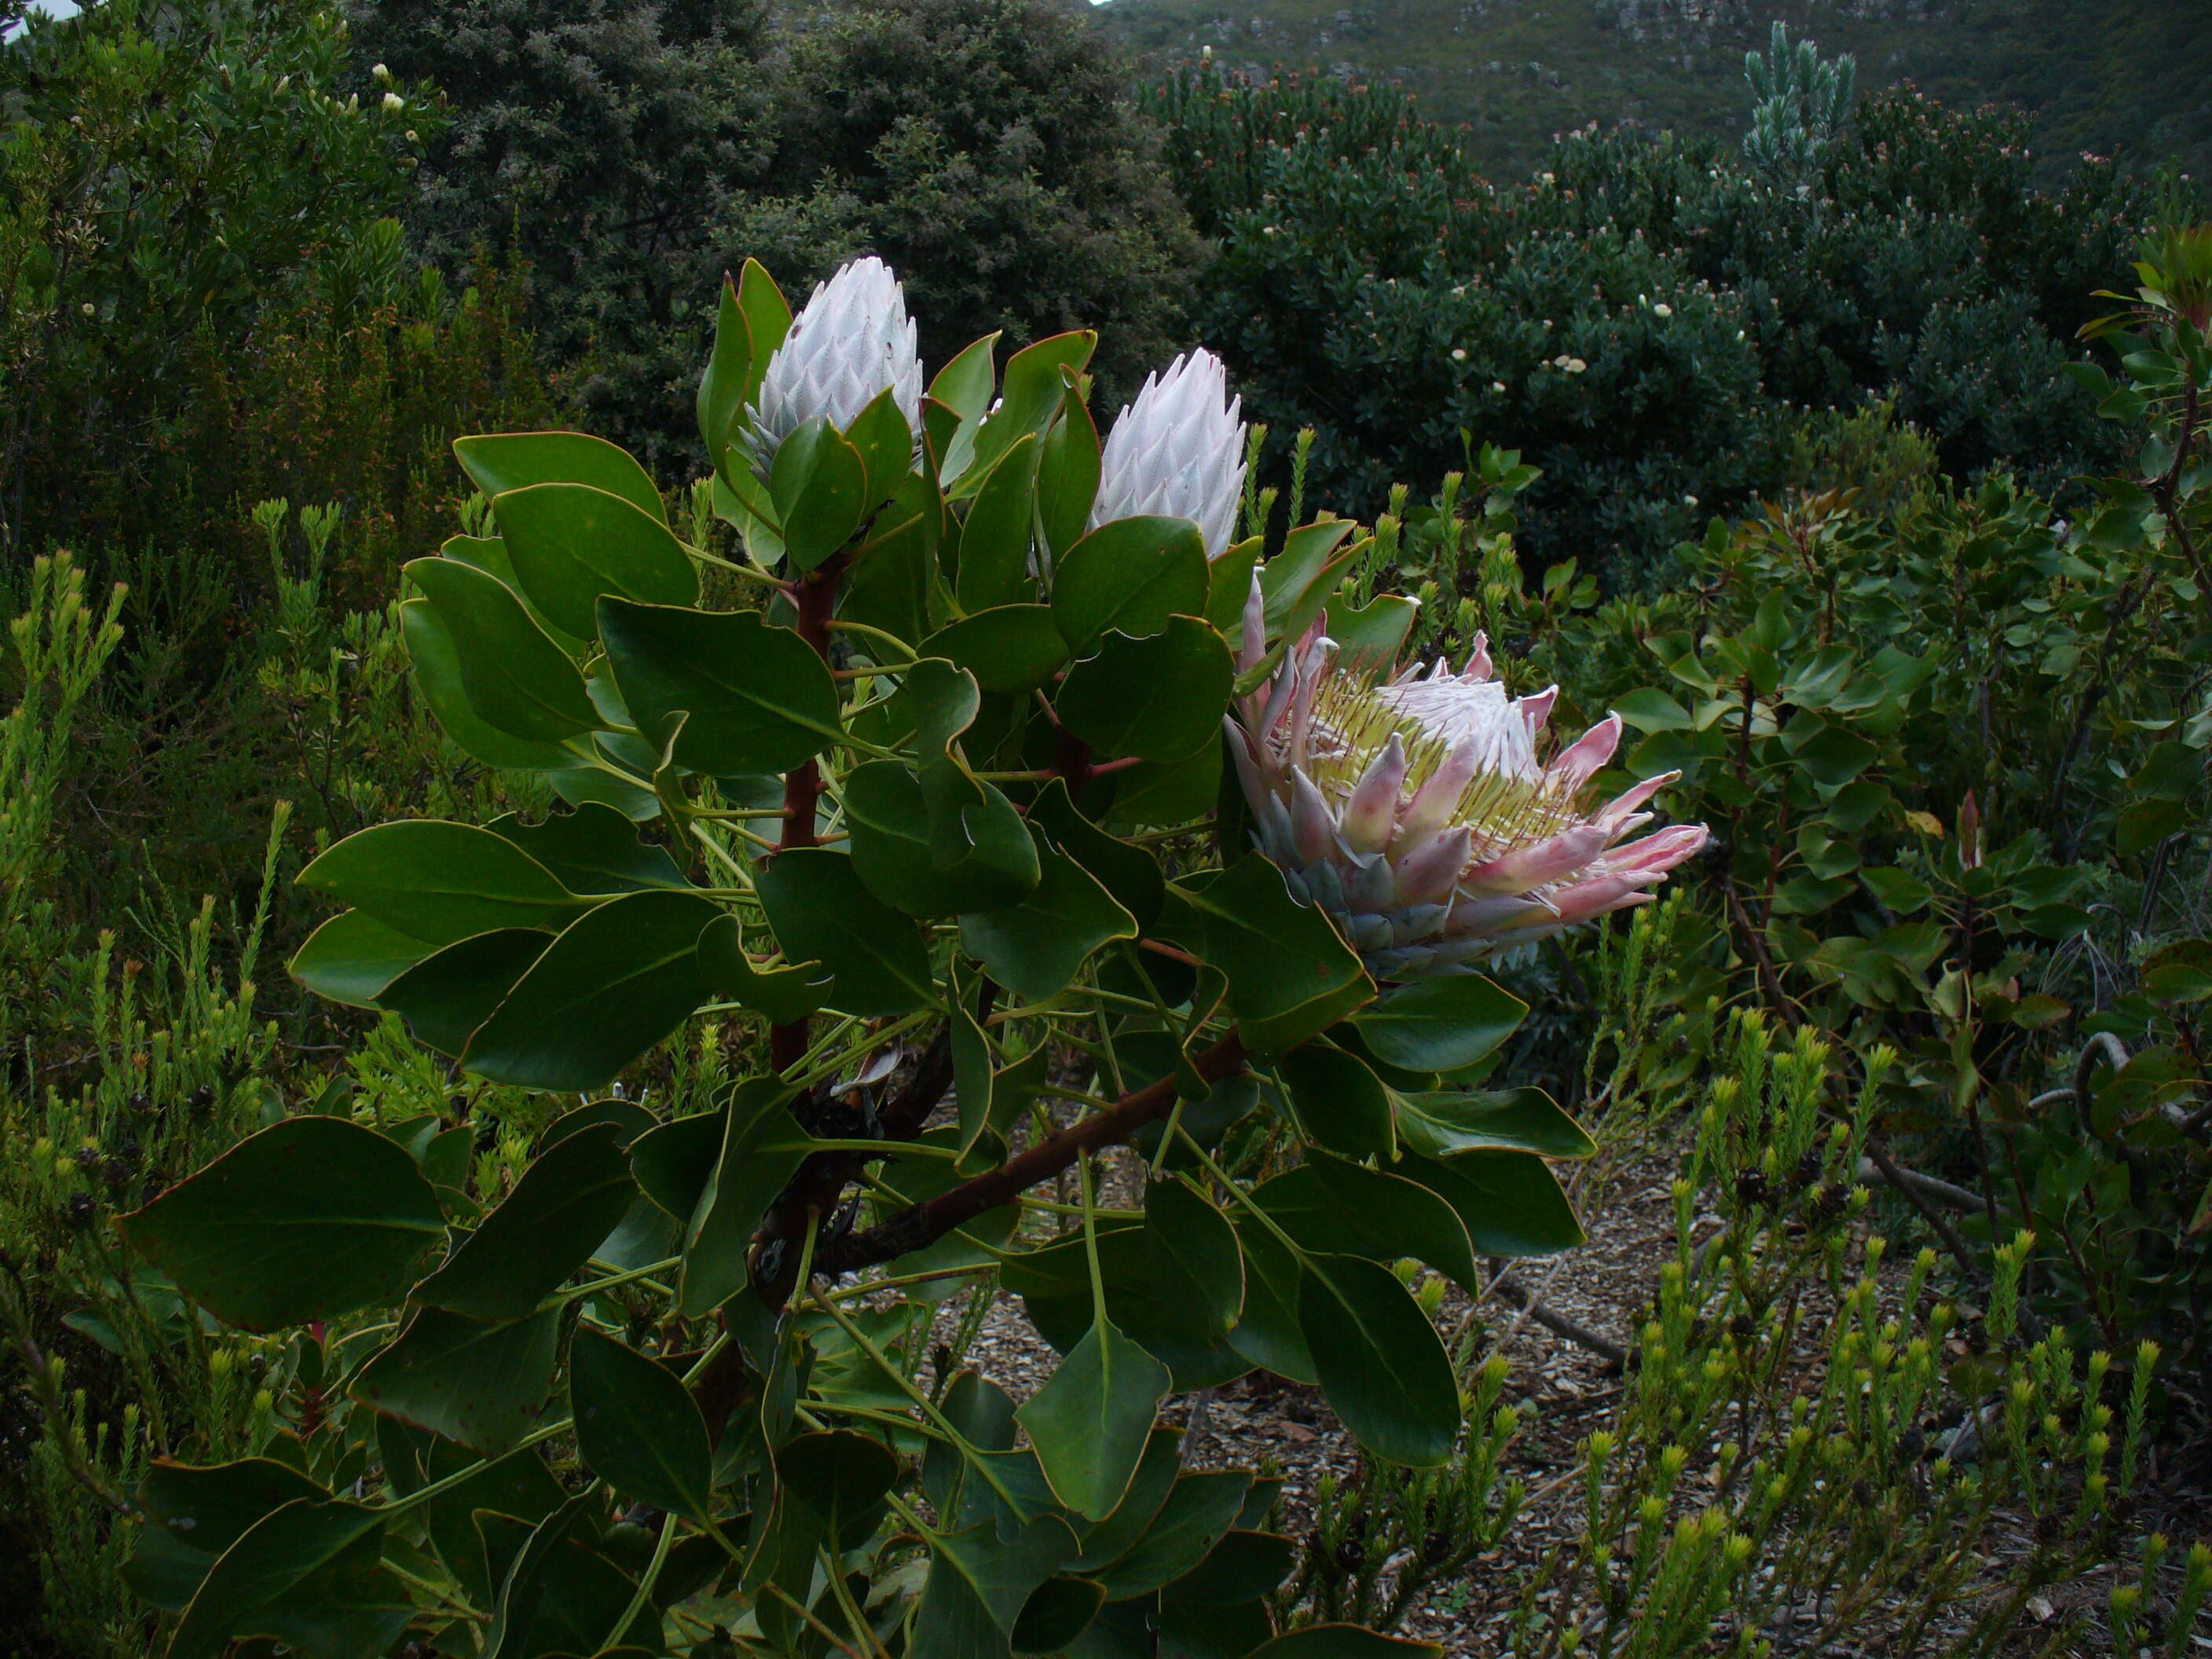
1420, 813
1177, 452
851, 342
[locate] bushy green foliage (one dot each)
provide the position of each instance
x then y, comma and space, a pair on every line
1647, 321
632, 152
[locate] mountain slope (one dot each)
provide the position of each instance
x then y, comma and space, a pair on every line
2130, 77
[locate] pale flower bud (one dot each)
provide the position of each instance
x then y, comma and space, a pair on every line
1177, 452
852, 342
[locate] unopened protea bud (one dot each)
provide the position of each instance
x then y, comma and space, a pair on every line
1177, 452
1421, 814
851, 342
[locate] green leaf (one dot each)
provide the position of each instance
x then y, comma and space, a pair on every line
1160, 698
1335, 1207
518, 1487
1291, 974
1125, 870
822, 912
568, 1200
995, 540
674, 1161
570, 543
762, 1148
310, 1219
437, 676
1091, 1418
899, 833
1035, 947
1067, 474
484, 1385
1297, 581
979, 1579
1345, 1642
884, 443
306, 1575
1129, 577
1440, 1024
513, 676
192, 1515
1243, 1567
820, 486
1009, 648
1267, 1332
726, 385
497, 463
617, 982
1031, 393
1199, 1512
1510, 1202
1439, 1124
786, 994
1229, 587
351, 957
1167, 793
446, 996
756, 698
593, 849
1058, 1611
964, 385
1381, 1365
561, 1596
638, 1427
1339, 1104
1374, 632
441, 881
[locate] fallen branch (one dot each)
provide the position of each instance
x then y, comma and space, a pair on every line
1511, 1290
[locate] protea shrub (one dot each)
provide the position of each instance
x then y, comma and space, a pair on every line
1421, 813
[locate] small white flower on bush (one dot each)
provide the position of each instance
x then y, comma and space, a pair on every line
1421, 814
1663, 309
1459, 354
1177, 452
851, 342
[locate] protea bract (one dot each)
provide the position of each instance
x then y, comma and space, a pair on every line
1177, 452
1421, 813
852, 342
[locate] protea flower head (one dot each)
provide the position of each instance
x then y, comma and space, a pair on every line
1421, 814
1177, 452
851, 342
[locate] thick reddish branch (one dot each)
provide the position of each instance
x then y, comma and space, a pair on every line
815, 595
925, 1222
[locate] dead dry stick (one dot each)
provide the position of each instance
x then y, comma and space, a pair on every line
1510, 1290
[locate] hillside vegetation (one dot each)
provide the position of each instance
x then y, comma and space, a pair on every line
2133, 77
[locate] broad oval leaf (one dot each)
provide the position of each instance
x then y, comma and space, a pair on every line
1442, 1023
512, 675
440, 881
498, 462
1158, 698
616, 982
571, 543
568, 1200
822, 912
310, 1219
1381, 1364
1130, 575
638, 1426
752, 697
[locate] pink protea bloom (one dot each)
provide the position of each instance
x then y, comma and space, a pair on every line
1421, 813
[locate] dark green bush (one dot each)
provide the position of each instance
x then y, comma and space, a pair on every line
1712, 307
632, 152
